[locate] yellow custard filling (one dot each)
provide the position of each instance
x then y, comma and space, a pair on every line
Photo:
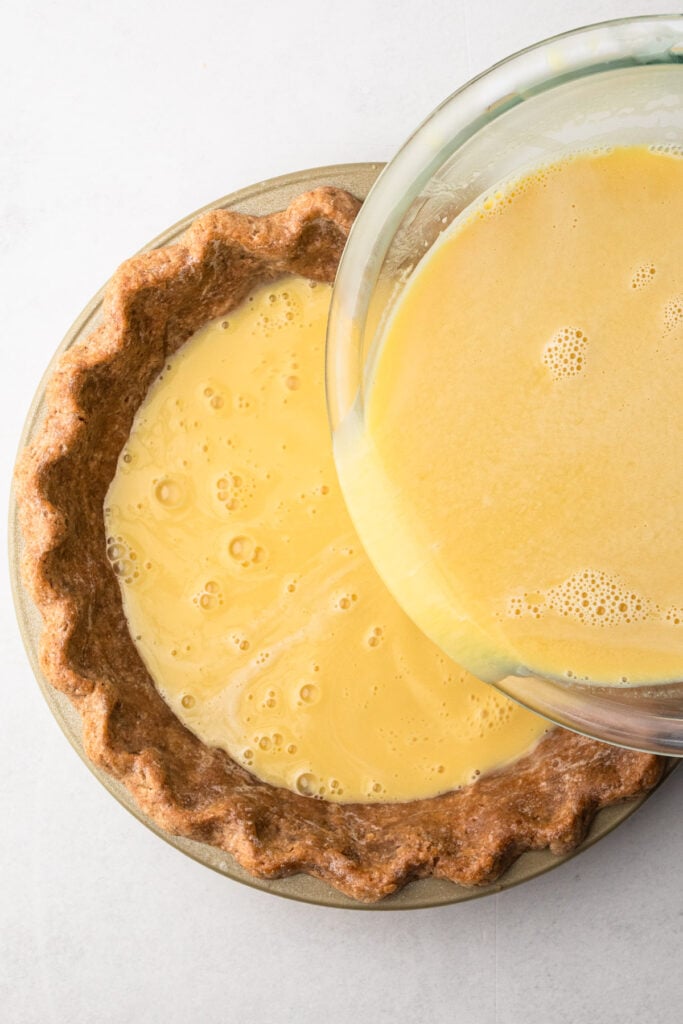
251, 601
524, 426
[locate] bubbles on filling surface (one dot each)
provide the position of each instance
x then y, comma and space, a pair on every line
307, 783
673, 313
487, 713
565, 353
240, 641
375, 637
668, 149
235, 490
643, 275
170, 492
495, 203
309, 693
244, 551
345, 602
593, 598
124, 560
209, 596
244, 403
282, 310
215, 398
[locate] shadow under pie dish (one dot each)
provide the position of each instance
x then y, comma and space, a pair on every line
154, 304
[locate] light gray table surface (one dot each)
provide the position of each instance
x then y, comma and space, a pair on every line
117, 120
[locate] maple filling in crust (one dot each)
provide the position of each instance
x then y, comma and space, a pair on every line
212, 759
249, 595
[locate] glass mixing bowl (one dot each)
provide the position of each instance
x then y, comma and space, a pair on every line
617, 83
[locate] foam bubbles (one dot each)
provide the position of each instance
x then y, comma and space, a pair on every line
170, 492
495, 203
309, 693
590, 597
667, 149
245, 551
215, 396
376, 637
565, 353
235, 490
209, 596
345, 602
283, 310
240, 641
244, 403
673, 313
643, 275
123, 559
268, 743
306, 784
487, 714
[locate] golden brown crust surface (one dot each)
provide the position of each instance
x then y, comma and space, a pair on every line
153, 304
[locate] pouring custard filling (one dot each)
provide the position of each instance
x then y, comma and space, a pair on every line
260, 618
522, 425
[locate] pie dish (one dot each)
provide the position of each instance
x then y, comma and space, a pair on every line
154, 303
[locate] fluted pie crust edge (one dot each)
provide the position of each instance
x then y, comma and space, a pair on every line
153, 304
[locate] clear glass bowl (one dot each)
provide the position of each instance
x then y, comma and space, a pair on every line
619, 82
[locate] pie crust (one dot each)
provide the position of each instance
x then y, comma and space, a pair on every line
153, 304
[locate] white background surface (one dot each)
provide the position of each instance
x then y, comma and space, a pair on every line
116, 120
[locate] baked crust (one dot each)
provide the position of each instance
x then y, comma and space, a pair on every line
153, 304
